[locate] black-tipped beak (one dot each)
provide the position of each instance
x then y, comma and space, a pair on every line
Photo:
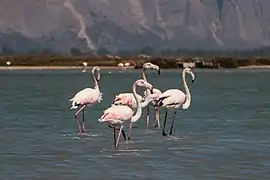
158, 72
116, 99
151, 91
193, 80
98, 80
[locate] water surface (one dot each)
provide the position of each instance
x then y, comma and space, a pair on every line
225, 134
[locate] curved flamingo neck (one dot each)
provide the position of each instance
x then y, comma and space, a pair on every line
147, 99
95, 79
188, 96
143, 74
138, 113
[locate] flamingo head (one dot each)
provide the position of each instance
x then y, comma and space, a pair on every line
96, 70
143, 83
149, 65
189, 71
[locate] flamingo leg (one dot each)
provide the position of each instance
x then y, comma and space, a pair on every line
83, 125
123, 132
157, 123
119, 134
163, 132
114, 136
172, 123
76, 117
147, 116
129, 132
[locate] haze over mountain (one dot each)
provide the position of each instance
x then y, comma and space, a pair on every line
63, 25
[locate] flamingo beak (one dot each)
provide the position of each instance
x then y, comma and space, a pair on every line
116, 99
158, 71
151, 91
193, 80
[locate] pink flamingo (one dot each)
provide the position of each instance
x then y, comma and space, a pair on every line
128, 98
175, 99
118, 115
87, 97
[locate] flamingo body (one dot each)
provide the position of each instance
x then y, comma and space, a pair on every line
117, 115
155, 96
127, 99
172, 98
87, 96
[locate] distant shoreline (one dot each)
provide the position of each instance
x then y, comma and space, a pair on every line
255, 67
105, 67
56, 67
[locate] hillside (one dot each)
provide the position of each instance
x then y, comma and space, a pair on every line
118, 25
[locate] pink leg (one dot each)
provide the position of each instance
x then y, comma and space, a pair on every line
119, 134
129, 131
157, 123
77, 120
147, 117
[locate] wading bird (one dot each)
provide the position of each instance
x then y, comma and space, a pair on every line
154, 97
128, 98
175, 98
84, 66
87, 97
119, 115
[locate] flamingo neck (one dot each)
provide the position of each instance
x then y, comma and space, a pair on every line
188, 96
143, 74
95, 80
147, 99
138, 113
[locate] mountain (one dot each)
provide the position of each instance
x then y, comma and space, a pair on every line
115, 25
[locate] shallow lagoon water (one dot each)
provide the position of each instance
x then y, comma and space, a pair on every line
225, 134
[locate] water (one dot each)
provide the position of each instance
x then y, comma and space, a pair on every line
225, 134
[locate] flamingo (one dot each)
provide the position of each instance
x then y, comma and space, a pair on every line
118, 115
87, 97
154, 96
84, 65
128, 98
175, 98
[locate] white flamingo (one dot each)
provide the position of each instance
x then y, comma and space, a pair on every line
117, 116
84, 65
128, 98
87, 97
154, 96
175, 98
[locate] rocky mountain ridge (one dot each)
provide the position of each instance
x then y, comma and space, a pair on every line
83, 25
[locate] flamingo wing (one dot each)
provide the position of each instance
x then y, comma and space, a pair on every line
155, 96
86, 96
171, 98
126, 99
116, 114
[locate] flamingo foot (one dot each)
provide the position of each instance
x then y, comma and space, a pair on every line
156, 126
164, 134
82, 130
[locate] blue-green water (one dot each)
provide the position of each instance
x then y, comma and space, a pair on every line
225, 134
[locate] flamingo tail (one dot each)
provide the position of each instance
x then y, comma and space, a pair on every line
100, 98
159, 102
74, 105
102, 120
